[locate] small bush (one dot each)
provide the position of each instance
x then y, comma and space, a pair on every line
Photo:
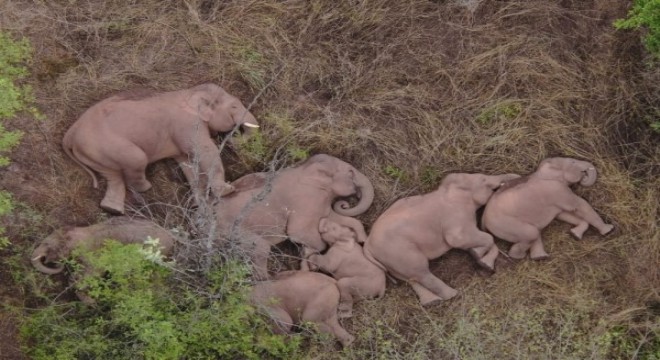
644, 14
143, 312
13, 98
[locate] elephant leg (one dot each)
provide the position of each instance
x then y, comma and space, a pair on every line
115, 194
480, 244
488, 261
536, 251
519, 250
197, 183
134, 173
282, 319
332, 326
259, 249
586, 212
426, 297
304, 263
211, 164
470, 238
580, 225
523, 237
437, 286
345, 308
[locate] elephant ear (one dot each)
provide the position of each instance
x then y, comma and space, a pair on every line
317, 174
201, 104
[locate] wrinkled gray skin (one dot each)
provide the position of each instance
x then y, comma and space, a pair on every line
356, 276
522, 208
59, 245
119, 136
291, 206
294, 297
419, 228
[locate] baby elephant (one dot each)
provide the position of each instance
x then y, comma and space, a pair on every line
356, 276
60, 243
419, 228
119, 136
293, 297
522, 208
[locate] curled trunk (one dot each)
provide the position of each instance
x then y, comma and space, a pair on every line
38, 257
590, 175
365, 192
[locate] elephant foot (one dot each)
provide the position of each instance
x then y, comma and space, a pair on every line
518, 255
426, 297
606, 229
485, 265
578, 231
449, 293
225, 189
141, 186
431, 302
344, 312
112, 207
540, 256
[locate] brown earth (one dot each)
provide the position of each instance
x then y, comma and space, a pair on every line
407, 91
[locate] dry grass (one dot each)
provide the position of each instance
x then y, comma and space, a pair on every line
426, 87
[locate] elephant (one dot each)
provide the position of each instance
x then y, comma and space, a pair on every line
520, 210
119, 136
356, 276
293, 297
60, 244
417, 229
269, 207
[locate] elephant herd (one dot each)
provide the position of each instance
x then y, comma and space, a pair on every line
308, 204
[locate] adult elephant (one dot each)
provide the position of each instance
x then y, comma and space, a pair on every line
522, 208
266, 209
419, 228
119, 136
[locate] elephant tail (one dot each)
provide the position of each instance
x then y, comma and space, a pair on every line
68, 149
371, 258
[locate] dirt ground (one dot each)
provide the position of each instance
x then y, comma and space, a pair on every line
407, 91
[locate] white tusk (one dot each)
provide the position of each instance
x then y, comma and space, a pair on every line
251, 125
37, 258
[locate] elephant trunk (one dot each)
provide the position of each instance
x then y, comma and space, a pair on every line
249, 124
590, 175
365, 192
38, 257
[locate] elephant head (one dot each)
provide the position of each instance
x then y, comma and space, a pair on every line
337, 235
50, 251
480, 186
567, 170
219, 109
344, 181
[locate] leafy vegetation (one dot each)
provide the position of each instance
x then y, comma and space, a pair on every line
143, 311
13, 98
644, 14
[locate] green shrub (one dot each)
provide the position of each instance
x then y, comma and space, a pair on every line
13, 98
143, 311
644, 14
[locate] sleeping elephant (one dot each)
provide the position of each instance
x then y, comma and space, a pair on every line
267, 209
59, 245
419, 228
522, 208
356, 276
119, 136
293, 297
